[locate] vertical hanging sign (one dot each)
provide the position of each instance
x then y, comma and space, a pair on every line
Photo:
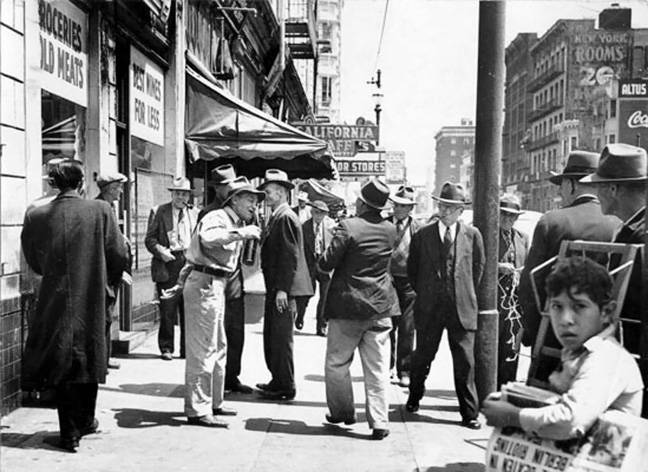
63, 34
146, 108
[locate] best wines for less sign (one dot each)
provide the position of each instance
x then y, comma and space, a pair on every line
63, 50
146, 99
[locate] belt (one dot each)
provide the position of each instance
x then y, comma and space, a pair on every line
212, 271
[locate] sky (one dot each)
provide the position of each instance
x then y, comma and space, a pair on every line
428, 60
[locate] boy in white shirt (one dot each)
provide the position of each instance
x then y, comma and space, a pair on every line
596, 374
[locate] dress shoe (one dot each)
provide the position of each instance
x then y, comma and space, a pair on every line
299, 324
404, 380
113, 364
90, 429
379, 433
471, 424
69, 444
334, 420
224, 411
167, 356
278, 394
265, 386
208, 421
412, 406
321, 332
240, 388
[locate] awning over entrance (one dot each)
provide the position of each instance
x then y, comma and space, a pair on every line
219, 127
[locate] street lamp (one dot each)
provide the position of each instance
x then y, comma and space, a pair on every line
377, 109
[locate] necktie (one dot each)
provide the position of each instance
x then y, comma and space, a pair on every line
399, 227
447, 240
318, 239
181, 228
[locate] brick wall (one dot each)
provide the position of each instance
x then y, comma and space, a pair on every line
11, 343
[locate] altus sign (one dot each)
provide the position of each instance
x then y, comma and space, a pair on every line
633, 112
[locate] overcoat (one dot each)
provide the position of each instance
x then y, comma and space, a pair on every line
583, 219
160, 224
282, 255
424, 269
309, 246
76, 246
359, 254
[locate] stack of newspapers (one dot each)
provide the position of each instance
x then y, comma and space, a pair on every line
525, 396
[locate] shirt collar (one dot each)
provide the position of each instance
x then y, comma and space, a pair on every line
634, 216
232, 214
280, 207
442, 230
591, 345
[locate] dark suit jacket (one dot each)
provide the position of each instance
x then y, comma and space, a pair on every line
521, 244
309, 246
361, 287
583, 220
413, 227
632, 232
159, 224
282, 255
425, 265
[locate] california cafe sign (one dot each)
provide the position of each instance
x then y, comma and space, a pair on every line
341, 138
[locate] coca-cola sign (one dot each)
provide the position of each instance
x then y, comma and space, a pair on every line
638, 120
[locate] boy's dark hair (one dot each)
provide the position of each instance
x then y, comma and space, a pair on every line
67, 174
583, 275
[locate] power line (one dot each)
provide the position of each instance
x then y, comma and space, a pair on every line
382, 32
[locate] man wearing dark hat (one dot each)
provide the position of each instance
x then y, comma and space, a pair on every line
621, 181
318, 231
167, 238
402, 334
214, 254
360, 306
286, 277
445, 265
513, 250
221, 176
579, 218
111, 187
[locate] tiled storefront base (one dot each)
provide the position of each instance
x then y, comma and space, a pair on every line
11, 342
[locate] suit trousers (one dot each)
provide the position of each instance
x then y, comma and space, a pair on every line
402, 334
371, 338
302, 303
75, 403
278, 342
235, 334
170, 308
204, 298
462, 345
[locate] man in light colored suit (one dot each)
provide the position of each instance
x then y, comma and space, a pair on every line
167, 237
445, 265
318, 232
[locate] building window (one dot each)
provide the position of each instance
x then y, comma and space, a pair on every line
613, 105
573, 143
327, 83
612, 139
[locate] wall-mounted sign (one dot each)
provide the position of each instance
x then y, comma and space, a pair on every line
633, 112
63, 50
360, 168
341, 138
633, 89
146, 99
394, 167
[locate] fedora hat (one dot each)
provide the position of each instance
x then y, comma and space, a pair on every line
453, 194
109, 178
403, 196
302, 196
242, 185
276, 176
579, 164
181, 184
222, 175
510, 204
619, 163
319, 205
375, 194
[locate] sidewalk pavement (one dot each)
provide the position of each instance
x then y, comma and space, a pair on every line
143, 428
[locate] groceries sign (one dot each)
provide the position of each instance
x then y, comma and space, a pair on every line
63, 33
341, 138
633, 112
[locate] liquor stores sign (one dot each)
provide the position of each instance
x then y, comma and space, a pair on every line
362, 168
63, 33
341, 138
633, 112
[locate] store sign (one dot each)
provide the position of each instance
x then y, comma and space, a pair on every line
341, 138
63, 34
633, 112
360, 168
394, 167
633, 89
146, 99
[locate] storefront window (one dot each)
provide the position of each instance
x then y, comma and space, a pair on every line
62, 131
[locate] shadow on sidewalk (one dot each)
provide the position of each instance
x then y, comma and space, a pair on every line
154, 389
274, 425
320, 378
455, 467
136, 418
138, 355
441, 394
38, 440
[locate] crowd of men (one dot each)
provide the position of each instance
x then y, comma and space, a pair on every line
388, 287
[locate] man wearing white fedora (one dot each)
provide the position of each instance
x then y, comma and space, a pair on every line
167, 238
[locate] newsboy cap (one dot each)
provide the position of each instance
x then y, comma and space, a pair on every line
109, 178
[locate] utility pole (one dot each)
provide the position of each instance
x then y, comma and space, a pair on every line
488, 149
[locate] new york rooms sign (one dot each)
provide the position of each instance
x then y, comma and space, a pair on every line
633, 112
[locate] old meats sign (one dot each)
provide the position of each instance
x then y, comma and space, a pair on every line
633, 112
341, 138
